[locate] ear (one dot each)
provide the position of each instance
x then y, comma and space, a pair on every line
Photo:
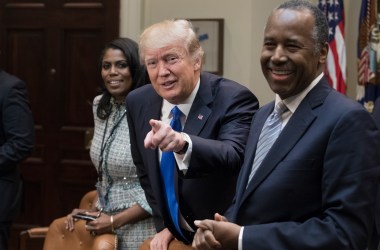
197, 63
323, 53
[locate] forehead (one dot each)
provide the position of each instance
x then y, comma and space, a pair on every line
114, 54
290, 21
173, 49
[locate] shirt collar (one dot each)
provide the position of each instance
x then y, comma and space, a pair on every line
184, 107
293, 102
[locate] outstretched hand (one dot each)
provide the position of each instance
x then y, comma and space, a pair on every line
164, 137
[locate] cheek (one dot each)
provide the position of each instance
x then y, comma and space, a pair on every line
264, 61
152, 74
103, 74
157, 88
125, 73
127, 76
127, 83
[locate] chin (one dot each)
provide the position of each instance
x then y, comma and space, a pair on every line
170, 96
278, 89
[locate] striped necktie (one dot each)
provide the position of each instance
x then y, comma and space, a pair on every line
268, 136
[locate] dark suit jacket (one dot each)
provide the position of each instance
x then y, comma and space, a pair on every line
218, 125
376, 112
316, 188
16, 141
376, 234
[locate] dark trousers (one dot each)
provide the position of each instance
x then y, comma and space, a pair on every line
5, 229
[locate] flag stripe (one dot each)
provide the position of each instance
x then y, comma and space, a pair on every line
336, 58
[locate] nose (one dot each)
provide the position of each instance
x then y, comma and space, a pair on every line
113, 70
279, 55
163, 69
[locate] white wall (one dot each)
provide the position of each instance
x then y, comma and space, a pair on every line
244, 22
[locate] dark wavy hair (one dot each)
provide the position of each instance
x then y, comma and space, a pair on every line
138, 72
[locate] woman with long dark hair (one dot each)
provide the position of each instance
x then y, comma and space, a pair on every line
121, 208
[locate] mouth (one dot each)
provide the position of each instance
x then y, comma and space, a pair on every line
280, 74
115, 82
168, 84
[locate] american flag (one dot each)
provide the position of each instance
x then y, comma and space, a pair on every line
336, 59
367, 20
367, 52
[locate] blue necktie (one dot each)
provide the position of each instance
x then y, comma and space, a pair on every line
168, 166
268, 136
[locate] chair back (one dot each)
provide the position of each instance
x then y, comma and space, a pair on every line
59, 238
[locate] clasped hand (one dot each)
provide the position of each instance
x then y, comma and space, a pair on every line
162, 136
216, 234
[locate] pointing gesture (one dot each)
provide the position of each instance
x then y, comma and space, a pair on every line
162, 136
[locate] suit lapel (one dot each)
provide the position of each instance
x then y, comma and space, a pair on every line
153, 111
253, 137
199, 112
291, 134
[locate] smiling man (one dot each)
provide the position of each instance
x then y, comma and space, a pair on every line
315, 186
214, 115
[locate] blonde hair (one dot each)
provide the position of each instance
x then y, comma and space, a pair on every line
168, 32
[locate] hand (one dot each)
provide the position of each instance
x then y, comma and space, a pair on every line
161, 240
216, 234
163, 137
101, 225
70, 220
219, 217
205, 238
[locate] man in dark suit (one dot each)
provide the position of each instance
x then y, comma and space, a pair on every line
209, 152
376, 111
374, 244
16, 143
316, 187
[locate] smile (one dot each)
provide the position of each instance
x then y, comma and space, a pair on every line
168, 83
281, 72
115, 82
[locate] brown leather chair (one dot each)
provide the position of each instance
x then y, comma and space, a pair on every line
173, 245
58, 238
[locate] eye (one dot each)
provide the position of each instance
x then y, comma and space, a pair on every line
172, 59
151, 63
106, 66
122, 65
293, 47
269, 45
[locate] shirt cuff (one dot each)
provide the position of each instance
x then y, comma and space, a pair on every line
183, 161
240, 243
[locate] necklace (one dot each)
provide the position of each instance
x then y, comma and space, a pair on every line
103, 169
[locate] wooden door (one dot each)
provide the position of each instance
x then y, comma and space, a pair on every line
54, 46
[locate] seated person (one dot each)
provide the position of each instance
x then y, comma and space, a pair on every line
213, 116
315, 186
122, 207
